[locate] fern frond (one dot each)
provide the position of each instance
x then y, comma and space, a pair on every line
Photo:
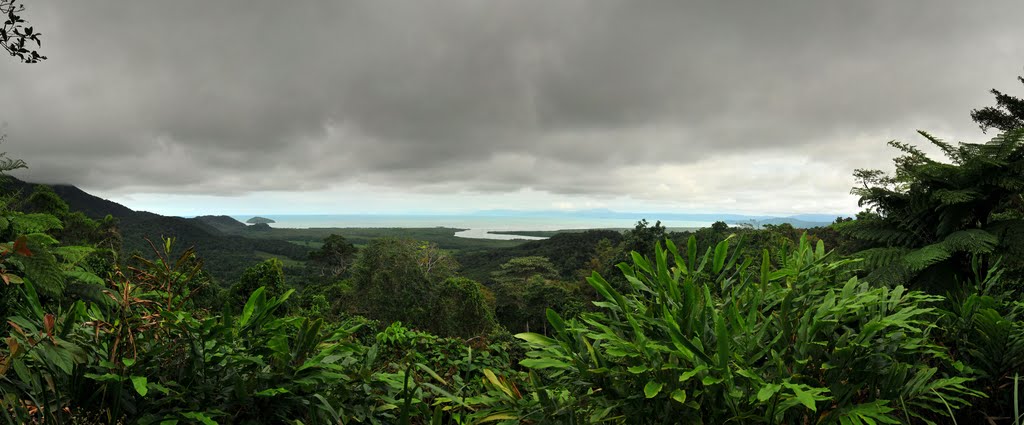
1005, 145
998, 345
83, 277
936, 396
951, 152
875, 412
1010, 233
881, 257
878, 231
974, 241
952, 217
72, 256
33, 223
949, 197
10, 164
42, 269
919, 259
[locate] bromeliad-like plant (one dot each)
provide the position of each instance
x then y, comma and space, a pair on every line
983, 324
713, 339
43, 350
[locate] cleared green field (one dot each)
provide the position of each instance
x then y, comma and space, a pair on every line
444, 237
288, 262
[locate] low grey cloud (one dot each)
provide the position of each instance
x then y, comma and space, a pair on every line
571, 97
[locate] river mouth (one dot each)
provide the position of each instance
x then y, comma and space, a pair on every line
493, 234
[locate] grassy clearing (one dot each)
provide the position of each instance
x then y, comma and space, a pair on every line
444, 237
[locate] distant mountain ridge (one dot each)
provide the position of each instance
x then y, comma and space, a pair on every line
228, 253
797, 220
222, 223
92, 206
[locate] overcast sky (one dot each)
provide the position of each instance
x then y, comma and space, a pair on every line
193, 107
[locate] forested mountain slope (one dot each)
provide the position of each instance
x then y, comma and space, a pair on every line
226, 255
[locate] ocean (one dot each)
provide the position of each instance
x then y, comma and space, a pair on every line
477, 226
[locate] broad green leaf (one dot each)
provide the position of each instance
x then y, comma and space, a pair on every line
431, 372
279, 344
325, 405
496, 382
556, 321
804, 397
685, 376
498, 417
720, 252
766, 264
652, 388
139, 382
710, 380
106, 377
679, 395
250, 305
201, 417
536, 339
691, 251
723, 338
685, 346
543, 363
637, 369
270, 392
641, 262
766, 392
33, 299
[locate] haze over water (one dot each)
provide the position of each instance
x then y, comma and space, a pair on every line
477, 226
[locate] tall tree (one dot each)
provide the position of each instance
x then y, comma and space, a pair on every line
520, 269
461, 309
268, 274
524, 288
334, 257
403, 280
44, 200
1008, 114
642, 238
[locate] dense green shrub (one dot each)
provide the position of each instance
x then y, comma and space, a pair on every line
715, 339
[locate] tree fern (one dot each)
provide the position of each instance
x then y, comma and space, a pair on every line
73, 256
9, 164
950, 197
21, 223
939, 213
974, 241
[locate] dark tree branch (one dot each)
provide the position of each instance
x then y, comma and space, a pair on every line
15, 36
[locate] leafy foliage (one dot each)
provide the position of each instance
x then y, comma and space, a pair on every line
926, 221
712, 338
525, 287
411, 282
15, 36
1007, 115
335, 256
268, 274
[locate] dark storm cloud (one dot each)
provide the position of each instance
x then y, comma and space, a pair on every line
566, 96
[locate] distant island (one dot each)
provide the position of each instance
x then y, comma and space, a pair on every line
260, 220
